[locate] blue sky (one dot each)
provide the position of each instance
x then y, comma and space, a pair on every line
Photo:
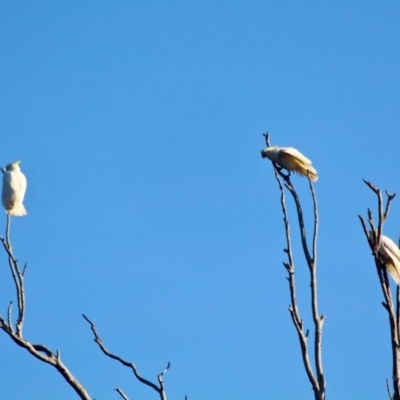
139, 126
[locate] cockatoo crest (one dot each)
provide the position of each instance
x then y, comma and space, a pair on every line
12, 166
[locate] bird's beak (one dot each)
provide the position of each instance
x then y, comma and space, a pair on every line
18, 162
264, 152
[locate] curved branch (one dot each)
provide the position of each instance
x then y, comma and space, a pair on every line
160, 390
39, 351
18, 277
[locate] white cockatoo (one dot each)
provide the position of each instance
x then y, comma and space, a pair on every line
14, 187
290, 159
389, 254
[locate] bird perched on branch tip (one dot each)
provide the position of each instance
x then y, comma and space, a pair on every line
290, 159
389, 254
14, 187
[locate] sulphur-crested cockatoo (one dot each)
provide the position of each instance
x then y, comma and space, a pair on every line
290, 159
389, 254
14, 187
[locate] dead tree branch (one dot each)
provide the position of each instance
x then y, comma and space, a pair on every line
317, 379
159, 389
374, 234
39, 351
121, 393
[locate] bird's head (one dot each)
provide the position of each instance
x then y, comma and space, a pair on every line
12, 166
268, 151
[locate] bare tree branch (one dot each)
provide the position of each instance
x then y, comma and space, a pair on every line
121, 393
374, 241
388, 390
39, 351
317, 380
159, 389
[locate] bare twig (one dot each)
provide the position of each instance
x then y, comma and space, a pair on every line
388, 389
317, 380
8, 231
121, 393
374, 240
159, 389
318, 320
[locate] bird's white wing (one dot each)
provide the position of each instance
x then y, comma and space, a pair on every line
14, 187
389, 249
295, 153
19, 185
8, 191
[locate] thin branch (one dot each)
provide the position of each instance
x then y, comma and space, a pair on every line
316, 221
388, 390
160, 390
8, 231
9, 312
390, 197
300, 217
121, 393
374, 241
160, 377
18, 281
24, 270
318, 320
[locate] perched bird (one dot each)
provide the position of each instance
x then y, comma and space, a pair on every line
389, 254
14, 187
290, 159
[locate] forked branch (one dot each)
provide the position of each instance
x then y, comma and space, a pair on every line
317, 378
373, 234
39, 351
160, 389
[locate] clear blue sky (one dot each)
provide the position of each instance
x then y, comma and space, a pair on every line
139, 126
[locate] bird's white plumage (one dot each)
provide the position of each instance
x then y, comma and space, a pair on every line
291, 159
14, 187
389, 254
295, 153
